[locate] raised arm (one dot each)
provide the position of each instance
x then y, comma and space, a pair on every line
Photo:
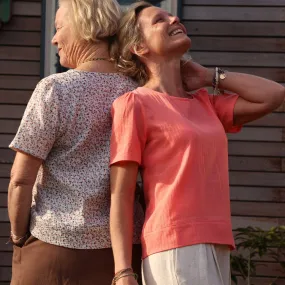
23, 176
123, 184
257, 96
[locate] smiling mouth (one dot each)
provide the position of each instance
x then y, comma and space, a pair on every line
176, 32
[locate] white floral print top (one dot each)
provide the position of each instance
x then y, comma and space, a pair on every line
67, 123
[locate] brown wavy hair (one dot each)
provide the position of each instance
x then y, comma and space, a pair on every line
129, 37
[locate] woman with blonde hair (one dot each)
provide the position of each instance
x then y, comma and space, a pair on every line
62, 162
178, 140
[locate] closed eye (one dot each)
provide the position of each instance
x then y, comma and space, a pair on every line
159, 20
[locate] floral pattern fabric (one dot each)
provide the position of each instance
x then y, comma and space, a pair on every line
67, 124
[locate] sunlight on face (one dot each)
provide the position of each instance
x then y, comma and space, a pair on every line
64, 38
163, 33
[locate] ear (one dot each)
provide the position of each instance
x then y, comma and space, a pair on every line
140, 50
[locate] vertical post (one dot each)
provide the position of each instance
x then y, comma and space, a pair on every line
48, 58
171, 6
43, 35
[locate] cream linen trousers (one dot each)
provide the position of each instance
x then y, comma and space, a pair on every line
201, 264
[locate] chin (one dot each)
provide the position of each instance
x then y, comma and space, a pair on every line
64, 62
180, 48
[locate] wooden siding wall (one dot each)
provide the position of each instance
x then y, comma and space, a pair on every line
19, 73
248, 36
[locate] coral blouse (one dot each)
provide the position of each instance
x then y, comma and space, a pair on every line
181, 146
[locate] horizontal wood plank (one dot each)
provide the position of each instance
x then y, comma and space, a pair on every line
237, 29
5, 140
5, 259
3, 199
275, 74
14, 97
4, 229
234, 44
259, 134
257, 194
5, 273
25, 8
4, 215
261, 14
19, 68
31, 24
263, 179
12, 111
6, 155
261, 222
4, 183
240, 59
4, 246
19, 53
5, 170
18, 82
236, 2
267, 164
9, 126
20, 38
257, 209
261, 281
270, 269
271, 120
257, 148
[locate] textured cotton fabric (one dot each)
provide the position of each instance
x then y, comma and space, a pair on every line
201, 264
67, 123
181, 146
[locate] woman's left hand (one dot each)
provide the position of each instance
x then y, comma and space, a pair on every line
196, 76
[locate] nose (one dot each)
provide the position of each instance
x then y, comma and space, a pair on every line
54, 41
174, 20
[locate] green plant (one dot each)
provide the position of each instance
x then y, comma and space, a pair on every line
253, 243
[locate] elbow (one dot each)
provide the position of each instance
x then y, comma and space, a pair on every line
18, 181
277, 99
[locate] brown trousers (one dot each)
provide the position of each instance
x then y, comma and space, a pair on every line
40, 263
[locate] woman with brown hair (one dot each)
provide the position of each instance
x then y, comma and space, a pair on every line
62, 161
179, 142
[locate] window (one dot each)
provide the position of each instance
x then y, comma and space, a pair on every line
50, 61
5, 10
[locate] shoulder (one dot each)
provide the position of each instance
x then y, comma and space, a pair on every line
130, 97
46, 90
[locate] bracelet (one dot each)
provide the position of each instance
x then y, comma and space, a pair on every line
220, 74
115, 279
124, 273
16, 238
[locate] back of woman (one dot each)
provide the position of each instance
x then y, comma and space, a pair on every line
62, 162
70, 130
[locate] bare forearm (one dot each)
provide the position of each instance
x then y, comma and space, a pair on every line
251, 88
121, 225
19, 205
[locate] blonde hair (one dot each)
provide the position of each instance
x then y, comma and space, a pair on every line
129, 37
94, 20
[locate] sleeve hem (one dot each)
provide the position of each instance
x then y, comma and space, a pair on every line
26, 151
233, 128
125, 159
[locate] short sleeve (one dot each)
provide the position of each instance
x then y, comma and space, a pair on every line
38, 129
224, 107
128, 130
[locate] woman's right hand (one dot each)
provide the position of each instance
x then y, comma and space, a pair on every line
128, 280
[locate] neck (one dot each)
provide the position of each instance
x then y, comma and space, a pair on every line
93, 51
165, 77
